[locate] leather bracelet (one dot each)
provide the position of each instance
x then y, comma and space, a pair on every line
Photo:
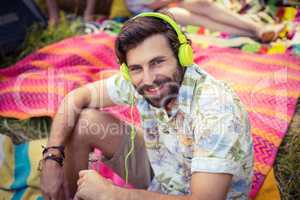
58, 159
61, 149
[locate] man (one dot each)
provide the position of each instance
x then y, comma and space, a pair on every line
194, 141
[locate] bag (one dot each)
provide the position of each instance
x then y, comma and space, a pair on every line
16, 16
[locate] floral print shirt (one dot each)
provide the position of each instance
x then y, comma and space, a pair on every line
208, 131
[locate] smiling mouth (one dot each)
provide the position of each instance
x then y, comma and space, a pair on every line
154, 91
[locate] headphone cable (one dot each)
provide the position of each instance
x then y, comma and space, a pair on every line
132, 138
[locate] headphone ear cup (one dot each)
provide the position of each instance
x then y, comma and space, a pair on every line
125, 72
185, 55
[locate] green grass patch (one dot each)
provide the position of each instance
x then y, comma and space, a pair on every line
21, 131
287, 165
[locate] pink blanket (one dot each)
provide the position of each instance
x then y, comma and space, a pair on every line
268, 85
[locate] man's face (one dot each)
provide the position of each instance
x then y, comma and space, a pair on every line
154, 70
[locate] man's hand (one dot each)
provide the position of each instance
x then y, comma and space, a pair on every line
52, 181
92, 186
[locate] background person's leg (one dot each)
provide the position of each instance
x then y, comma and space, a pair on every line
53, 12
185, 17
216, 17
221, 15
89, 11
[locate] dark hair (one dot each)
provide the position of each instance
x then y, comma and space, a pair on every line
136, 30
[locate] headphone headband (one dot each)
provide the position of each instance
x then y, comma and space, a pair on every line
181, 37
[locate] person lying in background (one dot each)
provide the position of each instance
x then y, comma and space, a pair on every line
209, 14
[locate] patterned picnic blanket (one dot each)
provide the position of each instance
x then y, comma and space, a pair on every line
268, 85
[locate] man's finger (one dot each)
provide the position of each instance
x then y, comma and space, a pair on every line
79, 188
76, 198
78, 194
80, 181
82, 173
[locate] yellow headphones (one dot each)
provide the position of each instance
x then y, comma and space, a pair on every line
185, 52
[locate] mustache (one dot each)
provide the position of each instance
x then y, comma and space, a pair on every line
156, 83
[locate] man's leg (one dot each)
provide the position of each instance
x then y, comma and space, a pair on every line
94, 129
139, 170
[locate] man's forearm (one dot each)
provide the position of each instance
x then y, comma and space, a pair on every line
62, 125
135, 194
65, 119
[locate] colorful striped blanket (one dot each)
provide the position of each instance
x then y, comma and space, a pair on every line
18, 170
268, 85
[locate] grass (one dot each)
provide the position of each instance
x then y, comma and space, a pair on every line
287, 165
25, 130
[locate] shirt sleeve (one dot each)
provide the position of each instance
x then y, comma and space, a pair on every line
222, 140
119, 90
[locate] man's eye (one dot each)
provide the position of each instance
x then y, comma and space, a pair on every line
156, 62
135, 69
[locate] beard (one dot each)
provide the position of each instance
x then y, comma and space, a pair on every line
170, 87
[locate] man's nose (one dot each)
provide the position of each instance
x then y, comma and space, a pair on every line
148, 77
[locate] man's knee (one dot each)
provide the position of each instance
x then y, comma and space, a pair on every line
90, 121
99, 129
97, 123
89, 116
